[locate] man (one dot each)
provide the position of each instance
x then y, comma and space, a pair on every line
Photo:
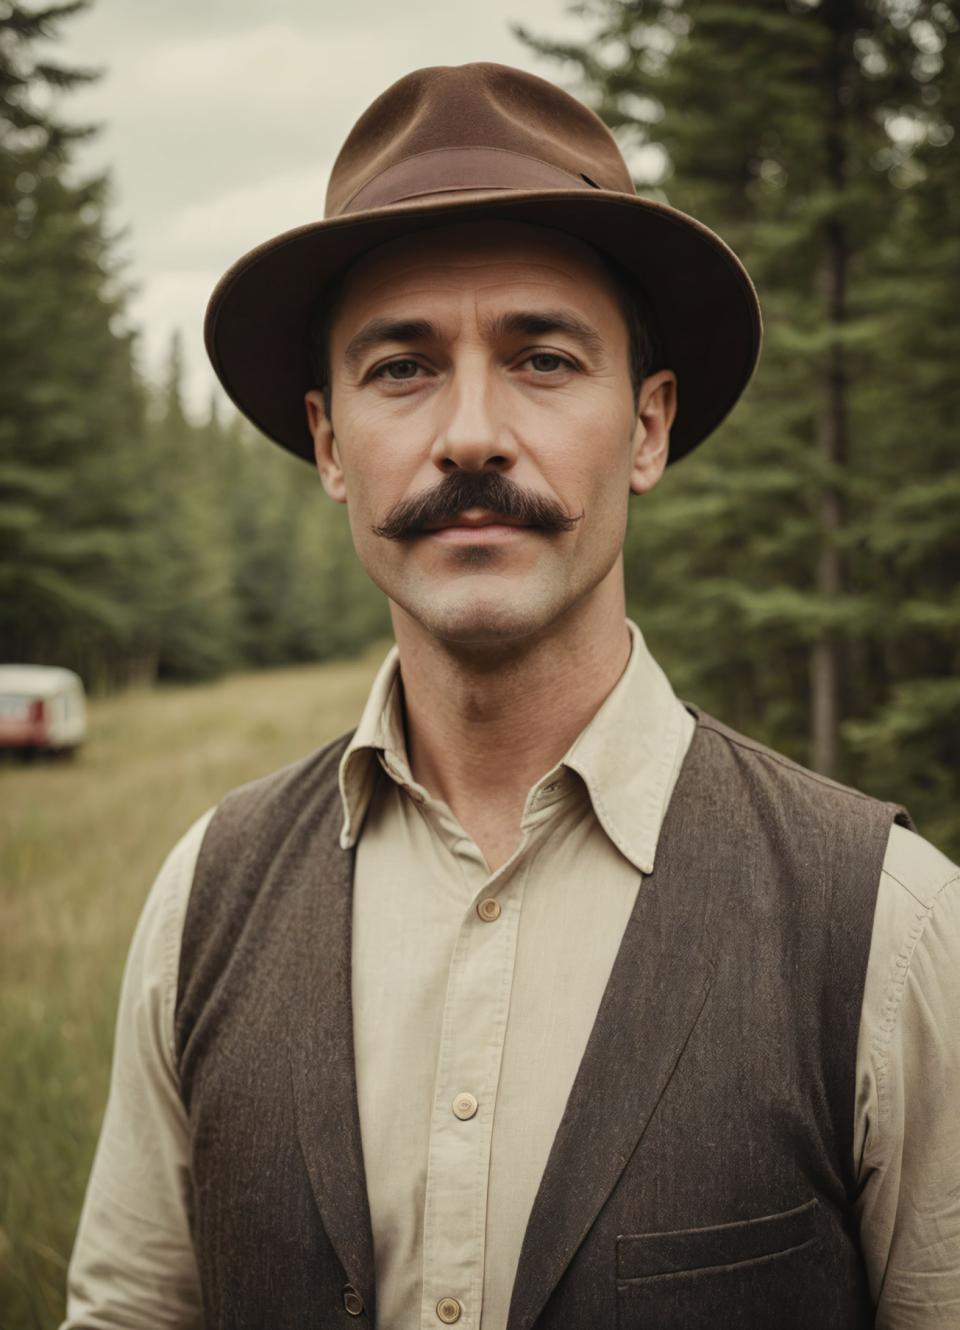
543, 999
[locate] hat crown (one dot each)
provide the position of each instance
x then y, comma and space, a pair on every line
474, 126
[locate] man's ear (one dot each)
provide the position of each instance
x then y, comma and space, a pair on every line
656, 408
325, 447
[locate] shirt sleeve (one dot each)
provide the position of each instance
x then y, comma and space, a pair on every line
133, 1264
907, 1137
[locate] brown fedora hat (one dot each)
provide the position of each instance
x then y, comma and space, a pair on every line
483, 141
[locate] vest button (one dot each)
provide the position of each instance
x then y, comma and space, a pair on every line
488, 910
448, 1310
352, 1301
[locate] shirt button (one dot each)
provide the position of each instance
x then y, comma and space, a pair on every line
465, 1106
488, 910
352, 1301
448, 1310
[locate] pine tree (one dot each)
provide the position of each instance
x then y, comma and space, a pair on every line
192, 612
73, 554
260, 495
301, 593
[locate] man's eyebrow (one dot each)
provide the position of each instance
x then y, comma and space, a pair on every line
378, 331
541, 322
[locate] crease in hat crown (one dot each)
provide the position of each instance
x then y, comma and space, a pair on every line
483, 142
465, 108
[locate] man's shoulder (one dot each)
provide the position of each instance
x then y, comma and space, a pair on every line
253, 819
287, 787
255, 846
917, 872
758, 762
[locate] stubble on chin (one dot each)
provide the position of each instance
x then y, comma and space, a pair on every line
490, 618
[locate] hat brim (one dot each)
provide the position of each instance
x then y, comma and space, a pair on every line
708, 315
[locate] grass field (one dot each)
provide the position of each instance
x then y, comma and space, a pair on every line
80, 842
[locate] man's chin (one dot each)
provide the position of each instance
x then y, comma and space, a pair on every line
480, 622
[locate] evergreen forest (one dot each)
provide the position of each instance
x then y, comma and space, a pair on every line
798, 576
136, 543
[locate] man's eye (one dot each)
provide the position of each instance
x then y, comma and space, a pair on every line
545, 362
398, 370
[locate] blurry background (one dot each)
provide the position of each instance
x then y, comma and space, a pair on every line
798, 576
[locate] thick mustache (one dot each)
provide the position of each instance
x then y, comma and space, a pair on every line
473, 489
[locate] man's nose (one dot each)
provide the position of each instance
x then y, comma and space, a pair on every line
471, 433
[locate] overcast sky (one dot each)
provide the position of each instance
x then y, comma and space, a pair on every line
221, 120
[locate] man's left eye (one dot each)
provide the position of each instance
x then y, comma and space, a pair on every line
546, 363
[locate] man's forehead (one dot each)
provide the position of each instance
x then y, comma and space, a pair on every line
487, 260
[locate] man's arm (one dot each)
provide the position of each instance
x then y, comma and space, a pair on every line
907, 1144
133, 1264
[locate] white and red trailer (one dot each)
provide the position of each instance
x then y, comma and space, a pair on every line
41, 707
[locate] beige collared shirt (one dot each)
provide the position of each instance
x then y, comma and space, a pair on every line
474, 995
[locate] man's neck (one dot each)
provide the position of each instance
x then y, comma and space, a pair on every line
483, 728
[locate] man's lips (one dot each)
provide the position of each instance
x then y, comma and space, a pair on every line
476, 526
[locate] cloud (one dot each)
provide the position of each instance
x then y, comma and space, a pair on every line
270, 70
201, 116
218, 230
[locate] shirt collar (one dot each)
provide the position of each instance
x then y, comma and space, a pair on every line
630, 753
380, 731
628, 756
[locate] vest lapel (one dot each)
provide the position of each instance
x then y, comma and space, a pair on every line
321, 1054
643, 1024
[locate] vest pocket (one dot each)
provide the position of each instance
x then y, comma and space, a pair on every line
756, 1269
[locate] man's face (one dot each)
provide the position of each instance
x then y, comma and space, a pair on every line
478, 371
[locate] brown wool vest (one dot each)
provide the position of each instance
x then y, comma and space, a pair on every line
701, 1175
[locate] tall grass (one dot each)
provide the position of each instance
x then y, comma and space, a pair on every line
80, 842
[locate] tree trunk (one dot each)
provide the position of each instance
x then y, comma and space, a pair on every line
825, 656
